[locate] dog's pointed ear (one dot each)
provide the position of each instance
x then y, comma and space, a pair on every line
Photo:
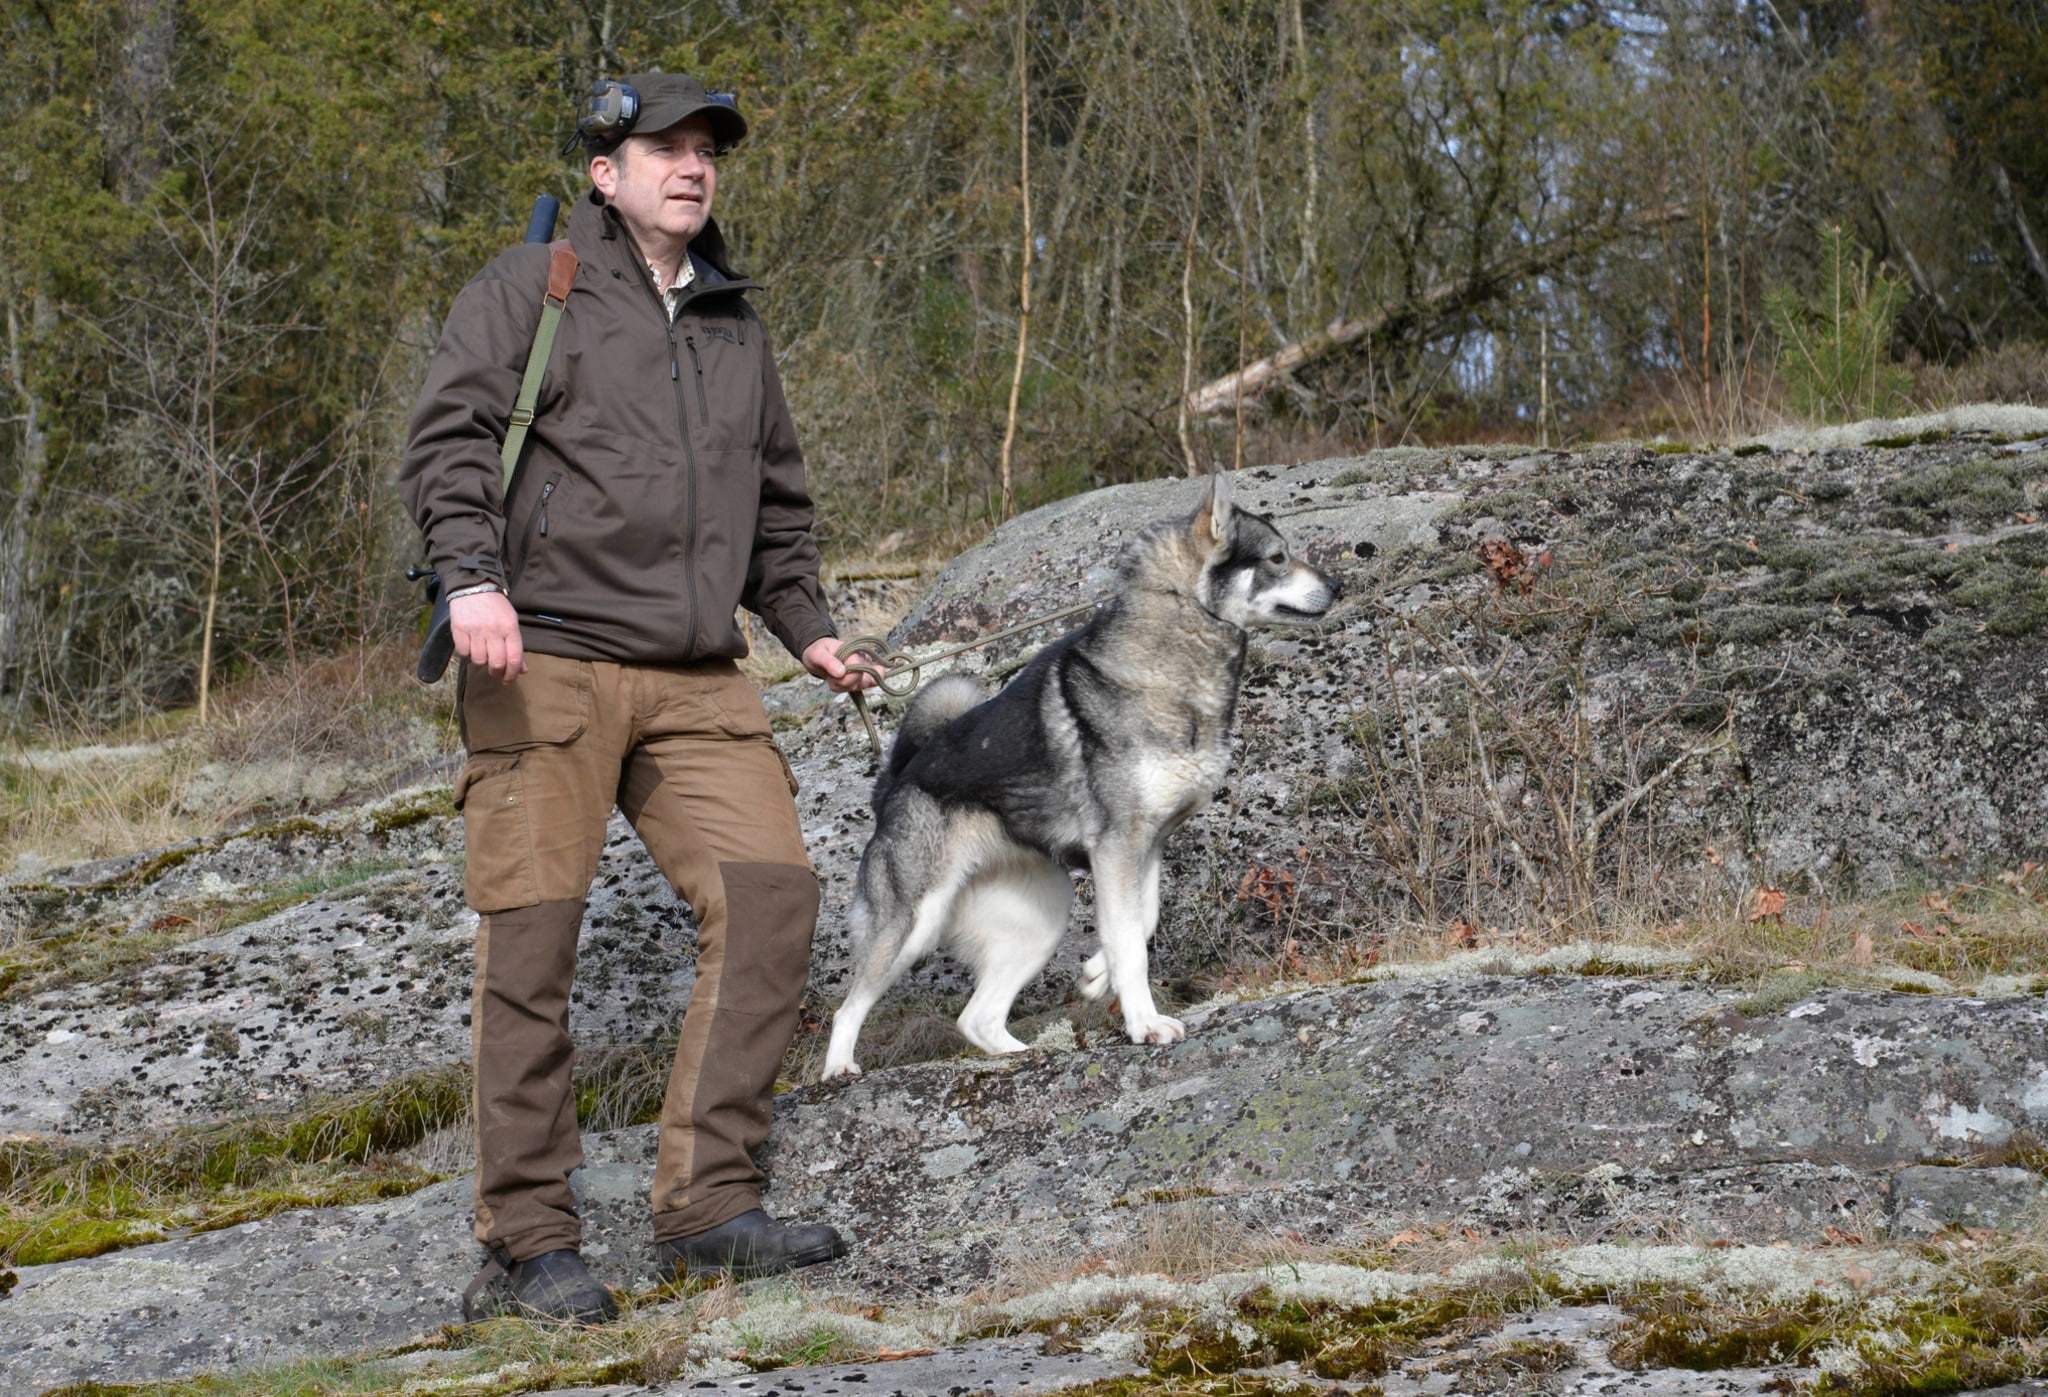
1212, 516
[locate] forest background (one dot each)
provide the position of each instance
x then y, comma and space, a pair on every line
231, 228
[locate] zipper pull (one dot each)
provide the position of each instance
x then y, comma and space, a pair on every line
690, 343
673, 376
545, 491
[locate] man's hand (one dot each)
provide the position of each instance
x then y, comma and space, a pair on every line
821, 658
486, 631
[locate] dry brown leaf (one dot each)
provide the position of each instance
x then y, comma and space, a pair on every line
1861, 951
1857, 1275
1768, 904
1836, 1237
1405, 1239
1504, 562
1461, 934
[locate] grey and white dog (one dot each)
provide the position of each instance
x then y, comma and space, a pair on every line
1107, 741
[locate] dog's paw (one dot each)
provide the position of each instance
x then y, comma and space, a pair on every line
1155, 1028
1094, 976
839, 1072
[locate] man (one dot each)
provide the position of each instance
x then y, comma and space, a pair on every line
662, 487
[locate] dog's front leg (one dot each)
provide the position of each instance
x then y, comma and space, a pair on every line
1148, 884
1095, 970
1120, 912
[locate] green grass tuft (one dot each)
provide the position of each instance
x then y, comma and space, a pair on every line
61, 1201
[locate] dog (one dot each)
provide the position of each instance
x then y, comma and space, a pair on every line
1098, 750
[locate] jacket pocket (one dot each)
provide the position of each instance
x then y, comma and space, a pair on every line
547, 706
497, 831
533, 539
727, 394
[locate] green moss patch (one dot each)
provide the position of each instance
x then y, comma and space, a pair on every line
1984, 491
61, 1201
1973, 1336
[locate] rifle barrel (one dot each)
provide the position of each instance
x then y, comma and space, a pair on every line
540, 228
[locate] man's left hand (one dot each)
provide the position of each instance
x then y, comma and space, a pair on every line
821, 658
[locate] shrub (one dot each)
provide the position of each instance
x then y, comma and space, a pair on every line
1835, 355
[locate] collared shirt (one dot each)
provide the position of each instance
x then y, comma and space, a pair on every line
672, 296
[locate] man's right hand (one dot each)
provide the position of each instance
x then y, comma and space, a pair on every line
486, 631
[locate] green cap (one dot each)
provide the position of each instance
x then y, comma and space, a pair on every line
667, 98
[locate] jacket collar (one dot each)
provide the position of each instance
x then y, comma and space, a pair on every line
598, 233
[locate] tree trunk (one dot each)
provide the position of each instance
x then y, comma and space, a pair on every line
26, 491
2018, 216
1009, 502
146, 54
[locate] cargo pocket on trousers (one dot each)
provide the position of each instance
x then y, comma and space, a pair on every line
498, 863
547, 708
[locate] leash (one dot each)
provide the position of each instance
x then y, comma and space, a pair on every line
885, 665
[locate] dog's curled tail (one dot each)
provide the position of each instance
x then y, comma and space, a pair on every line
940, 702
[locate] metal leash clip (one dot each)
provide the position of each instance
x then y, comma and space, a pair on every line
888, 666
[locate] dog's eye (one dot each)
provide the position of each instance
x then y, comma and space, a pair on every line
1277, 557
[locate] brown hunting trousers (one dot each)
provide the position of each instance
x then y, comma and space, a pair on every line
685, 752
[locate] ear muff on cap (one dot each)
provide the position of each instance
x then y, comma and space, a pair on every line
607, 116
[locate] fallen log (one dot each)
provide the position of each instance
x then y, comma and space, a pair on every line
1449, 298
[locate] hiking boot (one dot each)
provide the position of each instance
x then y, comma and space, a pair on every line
750, 1245
553, 1285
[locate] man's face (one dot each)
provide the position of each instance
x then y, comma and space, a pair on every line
662, 186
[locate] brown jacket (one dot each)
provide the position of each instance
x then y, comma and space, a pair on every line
663, 485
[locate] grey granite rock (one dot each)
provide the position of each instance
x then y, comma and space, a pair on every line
333, 994
1901, 733
1928, 1198
1592, 1108
1016, 1368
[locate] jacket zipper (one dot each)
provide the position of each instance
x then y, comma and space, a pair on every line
703, 408
675, 378
537, 516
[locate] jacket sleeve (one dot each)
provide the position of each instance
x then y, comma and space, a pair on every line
782, 576
452, 476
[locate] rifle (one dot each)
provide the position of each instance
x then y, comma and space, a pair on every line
439, 645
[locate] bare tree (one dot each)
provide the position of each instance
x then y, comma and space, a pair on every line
196, 342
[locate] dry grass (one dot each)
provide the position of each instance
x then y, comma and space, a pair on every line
1966, 937
2011, 373
350, 726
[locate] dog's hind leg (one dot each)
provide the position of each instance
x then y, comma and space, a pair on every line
1120, 905
1009, 923
1094, 976
880, 968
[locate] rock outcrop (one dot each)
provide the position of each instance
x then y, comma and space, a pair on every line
1845, 645
1593, 1108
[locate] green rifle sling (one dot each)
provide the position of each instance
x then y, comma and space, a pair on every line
561, 273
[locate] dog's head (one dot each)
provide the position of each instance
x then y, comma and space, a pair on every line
1248, 575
